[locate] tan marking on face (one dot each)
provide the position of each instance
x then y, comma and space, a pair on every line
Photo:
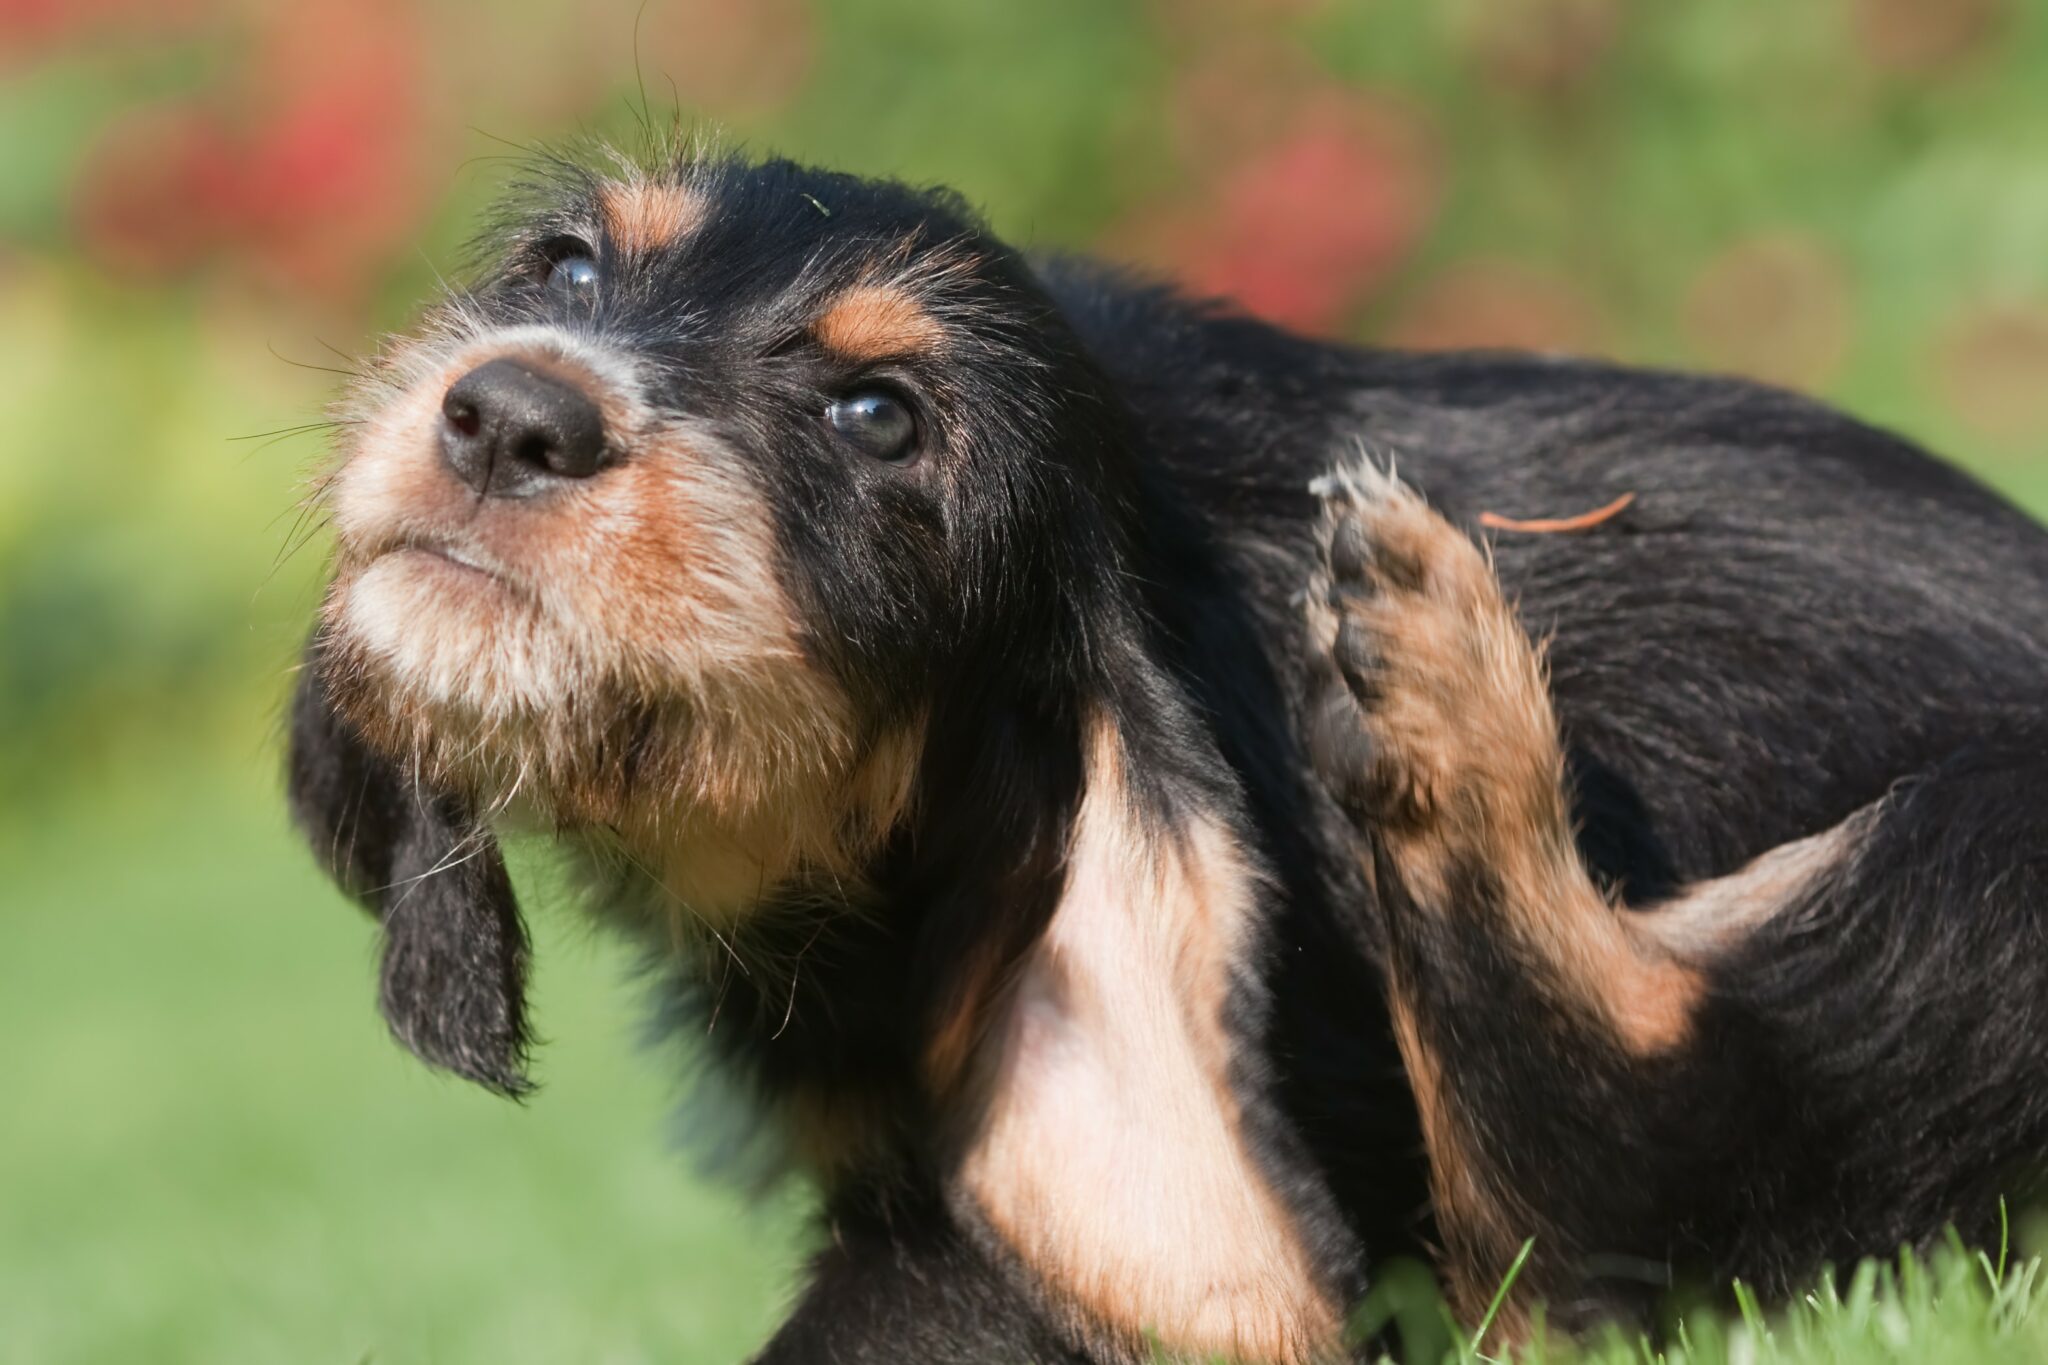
1151, 1216
616, 658
645, 216
876, 322
1466, 767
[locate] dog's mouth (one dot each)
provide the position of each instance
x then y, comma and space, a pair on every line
451, 564
459, 558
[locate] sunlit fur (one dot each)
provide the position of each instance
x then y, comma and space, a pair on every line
1593, 1078
627, 663
1120, 1013
785, 700
980, 816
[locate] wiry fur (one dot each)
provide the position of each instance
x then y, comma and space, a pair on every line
949, 791
1599, 1077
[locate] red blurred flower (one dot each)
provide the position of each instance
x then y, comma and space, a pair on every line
304, 167
1303, 229
31, 26
157, 195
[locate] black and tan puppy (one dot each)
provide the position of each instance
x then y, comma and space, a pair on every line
932, 655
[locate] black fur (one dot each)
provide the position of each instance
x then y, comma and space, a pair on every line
455, 951
1854, 1082
1797, 613
899, 1282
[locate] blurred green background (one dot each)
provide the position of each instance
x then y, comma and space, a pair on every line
208, 1150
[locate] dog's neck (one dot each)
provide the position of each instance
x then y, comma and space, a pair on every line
684, 868
822, 981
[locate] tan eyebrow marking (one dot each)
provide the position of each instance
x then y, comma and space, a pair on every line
875, 321
647, 215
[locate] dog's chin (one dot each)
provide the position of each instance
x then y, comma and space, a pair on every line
451, 635
722, 782
449, 668
455, 671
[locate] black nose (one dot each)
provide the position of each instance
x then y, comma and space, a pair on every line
508, 431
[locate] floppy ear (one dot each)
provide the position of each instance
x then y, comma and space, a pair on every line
455, 951
1110, 1147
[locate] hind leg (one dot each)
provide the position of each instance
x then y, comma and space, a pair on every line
1432, 726
1689, 1086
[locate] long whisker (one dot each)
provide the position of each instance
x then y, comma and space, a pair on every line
356, 361
354, 372
324, 424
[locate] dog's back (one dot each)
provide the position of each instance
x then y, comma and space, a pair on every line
1792, 602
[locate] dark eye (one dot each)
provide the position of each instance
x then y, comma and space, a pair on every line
571, 269
876, 423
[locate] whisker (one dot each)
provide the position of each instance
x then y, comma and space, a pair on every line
646, 119
451, 860
361, 366
525, 149
795, 971
289, 551
355, 372
323, 424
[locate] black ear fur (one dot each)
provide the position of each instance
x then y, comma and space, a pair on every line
455, 948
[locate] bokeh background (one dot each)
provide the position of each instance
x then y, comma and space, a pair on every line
208, 1150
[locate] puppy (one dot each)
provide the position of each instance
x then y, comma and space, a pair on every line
1137, 887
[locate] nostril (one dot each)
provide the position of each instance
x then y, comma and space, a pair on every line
462, 415
534, 448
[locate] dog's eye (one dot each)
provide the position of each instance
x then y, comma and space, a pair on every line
876, 423
571, 269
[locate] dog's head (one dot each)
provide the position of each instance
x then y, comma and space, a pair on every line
670, 532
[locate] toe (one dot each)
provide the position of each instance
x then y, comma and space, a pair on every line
1359, 660
1351, 554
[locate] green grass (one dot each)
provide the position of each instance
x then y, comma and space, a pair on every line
211, 1153
1955, 1307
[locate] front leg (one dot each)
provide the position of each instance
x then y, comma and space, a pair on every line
898, 1284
